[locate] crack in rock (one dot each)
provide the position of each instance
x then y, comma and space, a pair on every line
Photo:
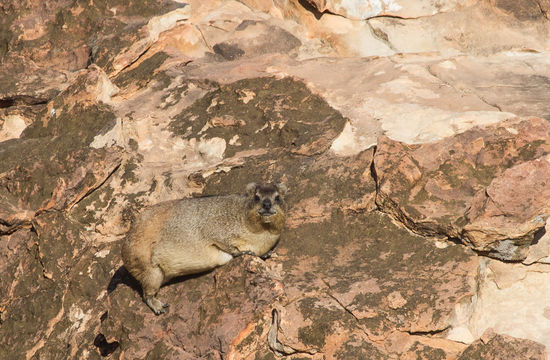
279, 348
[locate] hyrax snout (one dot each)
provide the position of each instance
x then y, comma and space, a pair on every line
190, 236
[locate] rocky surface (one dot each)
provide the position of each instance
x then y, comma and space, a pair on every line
485, 186
413, 137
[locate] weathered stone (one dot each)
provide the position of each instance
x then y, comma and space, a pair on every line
143, 101
497, 346
508, 297
12, 126
362, 10
51, 166
268, 113
437, 188
503, 219
510, 91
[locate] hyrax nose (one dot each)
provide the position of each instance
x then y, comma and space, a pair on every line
266, 204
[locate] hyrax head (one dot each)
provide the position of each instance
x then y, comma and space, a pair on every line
266, 201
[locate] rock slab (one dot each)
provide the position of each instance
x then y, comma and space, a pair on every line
485, 186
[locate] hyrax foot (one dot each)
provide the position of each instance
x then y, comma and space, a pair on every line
156, 305
246, 253
267, 255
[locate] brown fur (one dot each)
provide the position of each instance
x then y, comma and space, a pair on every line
193, 235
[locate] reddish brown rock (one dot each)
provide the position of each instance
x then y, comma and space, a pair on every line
492, 346
44, 44
431, 187
503, 219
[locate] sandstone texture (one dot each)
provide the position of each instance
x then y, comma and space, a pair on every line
413, 137
485, 186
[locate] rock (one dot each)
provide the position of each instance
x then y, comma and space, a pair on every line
45, 44
107, 109
12, 127
503, 219
445, 188
539, 251
510, 92
496, 346
509, 297
525, 11
148, 35
51, 166
361, 10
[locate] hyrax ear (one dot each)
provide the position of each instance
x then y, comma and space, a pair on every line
251, 188
282, 188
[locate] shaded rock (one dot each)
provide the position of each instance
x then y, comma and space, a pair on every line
44, 44
528, 10
51, 165
238, 300
28, 319
135, 44
267, 113
434, 187
18, 86
497, 346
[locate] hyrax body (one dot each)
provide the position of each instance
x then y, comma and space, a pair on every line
190, 236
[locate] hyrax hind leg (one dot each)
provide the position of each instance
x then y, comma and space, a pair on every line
151, 281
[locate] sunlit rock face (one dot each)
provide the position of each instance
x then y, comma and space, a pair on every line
413, 137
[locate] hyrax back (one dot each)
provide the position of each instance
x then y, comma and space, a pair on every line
189, 236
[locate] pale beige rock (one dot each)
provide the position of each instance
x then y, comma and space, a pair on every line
350, 38
11, 127
483, 30
151, 32
506, 81
510, 300
396, 300
364, 9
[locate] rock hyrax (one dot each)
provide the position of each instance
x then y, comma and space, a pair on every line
190, 236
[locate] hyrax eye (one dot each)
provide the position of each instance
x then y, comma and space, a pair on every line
256, 198
277, 199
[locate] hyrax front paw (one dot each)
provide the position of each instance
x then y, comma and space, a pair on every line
156, 305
